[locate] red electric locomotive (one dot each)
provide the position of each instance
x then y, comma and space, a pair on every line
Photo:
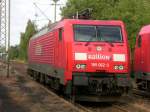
87, 59
142, 59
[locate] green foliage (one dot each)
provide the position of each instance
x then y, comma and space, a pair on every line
24, 39
135, 13
2, 49
13, 52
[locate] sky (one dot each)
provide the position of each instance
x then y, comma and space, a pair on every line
23, 10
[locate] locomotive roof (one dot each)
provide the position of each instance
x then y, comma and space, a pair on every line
145, 30
75, 21
102, 22
44, 30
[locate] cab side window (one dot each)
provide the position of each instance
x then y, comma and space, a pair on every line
60, 34
139, 41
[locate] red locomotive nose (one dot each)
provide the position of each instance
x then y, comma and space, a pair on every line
89, 49
109, 49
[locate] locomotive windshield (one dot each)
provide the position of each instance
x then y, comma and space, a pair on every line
87, 33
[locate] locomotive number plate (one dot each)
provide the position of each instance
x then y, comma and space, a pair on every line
100, 65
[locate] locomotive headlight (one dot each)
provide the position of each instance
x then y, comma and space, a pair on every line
119, 67
80, 66
116, 67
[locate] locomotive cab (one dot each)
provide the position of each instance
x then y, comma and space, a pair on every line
142, 59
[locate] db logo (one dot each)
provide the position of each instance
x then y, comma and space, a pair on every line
38, 50
98, 48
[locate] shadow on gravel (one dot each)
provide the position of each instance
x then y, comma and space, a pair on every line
35, 94
101, 104
96, 104
7, 104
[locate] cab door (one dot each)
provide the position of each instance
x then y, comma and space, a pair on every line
61, 48
142, 53
137, 54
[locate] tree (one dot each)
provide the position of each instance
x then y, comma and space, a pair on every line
14, 52
24, 39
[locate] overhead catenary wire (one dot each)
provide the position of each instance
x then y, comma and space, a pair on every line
47, 4
40, 20
55, 4
41, 12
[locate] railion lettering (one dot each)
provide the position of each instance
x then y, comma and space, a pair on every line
98, 57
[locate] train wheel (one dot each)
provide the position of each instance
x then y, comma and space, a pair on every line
38, 76
42, 78
34, 75
56, 84
73, 94
47, 80
31, 73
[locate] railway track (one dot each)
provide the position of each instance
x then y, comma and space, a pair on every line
113, 108
76, 106
141, 93
82, 108
117, 107
79, 107
121, 108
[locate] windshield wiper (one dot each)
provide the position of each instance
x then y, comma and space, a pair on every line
88, 42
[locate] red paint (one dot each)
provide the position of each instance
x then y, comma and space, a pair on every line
61, 54
142, 52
